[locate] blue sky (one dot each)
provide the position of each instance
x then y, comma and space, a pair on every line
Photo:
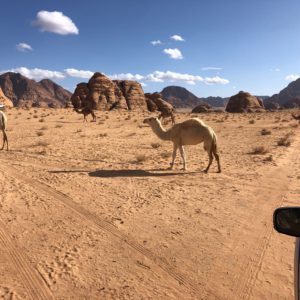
213, 48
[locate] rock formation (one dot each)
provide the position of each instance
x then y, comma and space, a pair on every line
291, 92
244, 102
180, 97
105, 94
27, 92
201, 109
4, 100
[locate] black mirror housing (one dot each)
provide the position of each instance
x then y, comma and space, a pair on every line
286, 220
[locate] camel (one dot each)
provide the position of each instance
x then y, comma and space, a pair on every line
296, 117
189, 132
167, 112
86, 111
3, 126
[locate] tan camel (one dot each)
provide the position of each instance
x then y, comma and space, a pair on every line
189, 132
86, 111
3, 126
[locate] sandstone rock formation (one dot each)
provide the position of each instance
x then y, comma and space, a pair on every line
244, 102
272, 105
105, 94
201, 109
27, 92
4, 100
180, 97
155, 102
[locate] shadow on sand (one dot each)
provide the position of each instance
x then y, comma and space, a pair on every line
127, 173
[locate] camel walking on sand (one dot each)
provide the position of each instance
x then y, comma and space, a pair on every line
3, 126
189, 132
86, 111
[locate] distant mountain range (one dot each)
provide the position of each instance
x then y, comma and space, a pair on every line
27, 92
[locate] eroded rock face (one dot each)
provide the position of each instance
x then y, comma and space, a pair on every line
244, 102
105, 94
4, 100
200, 109
155, 102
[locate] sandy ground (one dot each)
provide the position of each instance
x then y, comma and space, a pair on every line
89, 211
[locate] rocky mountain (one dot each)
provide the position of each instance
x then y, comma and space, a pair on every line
105, 94
4, 100
287, 95
244, 102
216, 101
180, 97
27, 92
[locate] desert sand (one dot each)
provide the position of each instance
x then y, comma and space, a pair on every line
89, 211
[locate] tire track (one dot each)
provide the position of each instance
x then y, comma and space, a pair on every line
103, 224
34, 284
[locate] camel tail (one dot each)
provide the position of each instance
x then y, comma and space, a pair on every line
214, 147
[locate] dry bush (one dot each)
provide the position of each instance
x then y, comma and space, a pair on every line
40, 133
285, 140
165, 154
42, 144
42, 120
78, 130
141, 158
155, 145
259, 150
251, 121
265, 131
269, 158
44, 128
58, 126
35, 116
102, 134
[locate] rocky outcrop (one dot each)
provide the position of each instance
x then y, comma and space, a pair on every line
292, 103
27, 92
4, 100
244, 102
272, 105
155, 102
105, 94
291, 92
201, 109
180, 97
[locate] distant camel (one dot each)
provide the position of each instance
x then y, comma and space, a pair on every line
296, 117
189, 132
3, 126
167, 112
86, 111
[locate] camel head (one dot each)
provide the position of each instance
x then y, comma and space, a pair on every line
151, 121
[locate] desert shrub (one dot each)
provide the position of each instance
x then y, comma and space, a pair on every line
42, 144
259, 150
42, 120
40, 133
165, 154
265, 131
44, 128
155, 145
58, 126
251, 121
102, 134
285, 140
141, 158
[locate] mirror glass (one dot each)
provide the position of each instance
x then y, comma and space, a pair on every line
287, 220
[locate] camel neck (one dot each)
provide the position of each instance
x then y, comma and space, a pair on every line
160, 131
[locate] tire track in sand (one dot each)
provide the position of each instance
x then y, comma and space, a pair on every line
34, 284
103, 224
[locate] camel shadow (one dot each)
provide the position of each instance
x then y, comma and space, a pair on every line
135, 173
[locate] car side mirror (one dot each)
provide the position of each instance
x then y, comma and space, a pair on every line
287, 220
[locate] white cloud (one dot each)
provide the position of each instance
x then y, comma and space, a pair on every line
215, 80
56, 22
78, 73
156, 42
126, 76
174, 53
177, 38
37, 74
211, 68
23, 47
292, 77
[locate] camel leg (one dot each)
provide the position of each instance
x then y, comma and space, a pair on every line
175, 147
6, 139
94, 116
181, 149
210, 155
173, 119
217, 159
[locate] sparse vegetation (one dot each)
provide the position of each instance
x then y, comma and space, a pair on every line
259, 150
141, 158
155, 145
285, 140
265, 131
251, 121
40, 133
